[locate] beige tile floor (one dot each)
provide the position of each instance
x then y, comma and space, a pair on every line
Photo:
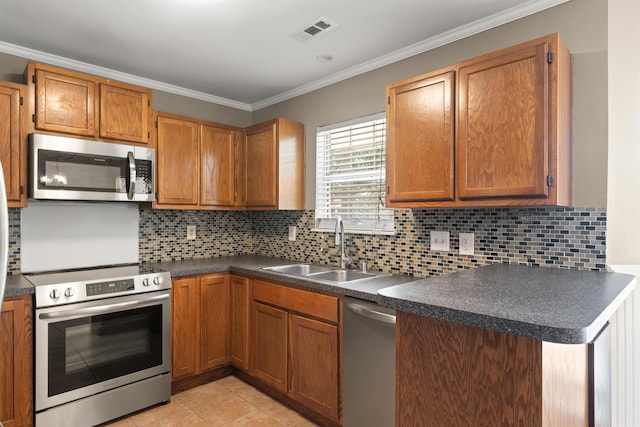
228, 402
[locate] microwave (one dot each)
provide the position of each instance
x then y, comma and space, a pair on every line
62, 168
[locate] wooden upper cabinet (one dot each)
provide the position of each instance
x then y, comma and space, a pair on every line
12, 146
218, 178
65, 101
274, 165
420, 144
261, 166
511, 142
197, 164
125, 112
503, 138
177, 161
88, 106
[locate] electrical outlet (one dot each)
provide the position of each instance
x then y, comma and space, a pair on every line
466, 243
440, 241
292, 233
191, 232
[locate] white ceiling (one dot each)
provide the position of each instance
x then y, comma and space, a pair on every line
240, 53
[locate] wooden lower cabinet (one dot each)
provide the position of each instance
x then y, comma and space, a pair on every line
215, 321
284, 338
16, 363
270, 345
240, 322
184, 327
295, 346
201, 329
450, 374
313, 365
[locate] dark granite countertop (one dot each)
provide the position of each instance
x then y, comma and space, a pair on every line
251, 266
547, 304
18, 285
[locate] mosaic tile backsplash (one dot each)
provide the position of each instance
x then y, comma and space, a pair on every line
557, 237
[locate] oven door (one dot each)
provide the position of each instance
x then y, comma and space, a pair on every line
87, 348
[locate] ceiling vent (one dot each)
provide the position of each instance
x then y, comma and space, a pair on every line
314, 29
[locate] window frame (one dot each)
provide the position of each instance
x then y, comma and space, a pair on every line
364, 225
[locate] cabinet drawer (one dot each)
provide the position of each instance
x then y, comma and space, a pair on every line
309, 303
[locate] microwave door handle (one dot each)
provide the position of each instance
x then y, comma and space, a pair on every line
132, 175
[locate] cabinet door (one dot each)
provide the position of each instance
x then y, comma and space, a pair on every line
125, 112
239, 321
177, 161
420, 155
185, 327
314, 378
16, 363
215, 320
11, 150
503, 128
217, 166
270, 345
261, 167
65, 103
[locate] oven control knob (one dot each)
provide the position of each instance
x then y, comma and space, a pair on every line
54, 294
157, 280
69, 292
145, 281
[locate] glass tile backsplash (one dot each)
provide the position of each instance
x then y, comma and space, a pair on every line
553, 236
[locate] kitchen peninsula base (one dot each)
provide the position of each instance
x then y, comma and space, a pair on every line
449, 374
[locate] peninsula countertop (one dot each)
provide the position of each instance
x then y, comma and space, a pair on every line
547, 304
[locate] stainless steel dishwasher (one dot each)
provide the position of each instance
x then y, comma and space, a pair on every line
369, 371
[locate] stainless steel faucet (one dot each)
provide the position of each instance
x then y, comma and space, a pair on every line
339, 240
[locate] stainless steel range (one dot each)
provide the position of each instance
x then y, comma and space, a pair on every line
102, 343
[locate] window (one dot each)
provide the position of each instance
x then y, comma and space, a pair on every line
350, 176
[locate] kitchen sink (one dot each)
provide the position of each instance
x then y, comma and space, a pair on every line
324, 273
298, 269
341, 275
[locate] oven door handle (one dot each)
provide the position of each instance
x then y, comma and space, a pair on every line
103, 309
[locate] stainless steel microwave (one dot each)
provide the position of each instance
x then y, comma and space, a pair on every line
62, 168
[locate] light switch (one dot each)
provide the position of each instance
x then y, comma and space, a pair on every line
440, 241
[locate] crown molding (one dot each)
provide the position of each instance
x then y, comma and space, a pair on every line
461, 32
83, 67
447, 37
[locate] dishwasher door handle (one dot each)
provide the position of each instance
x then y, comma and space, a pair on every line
370, 313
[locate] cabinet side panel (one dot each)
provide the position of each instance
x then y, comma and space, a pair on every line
565, 385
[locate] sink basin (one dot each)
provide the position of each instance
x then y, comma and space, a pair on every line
341, 275
298, 269
322, 272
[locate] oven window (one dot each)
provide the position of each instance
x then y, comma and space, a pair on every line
98, 348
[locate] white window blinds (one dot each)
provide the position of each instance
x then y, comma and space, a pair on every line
350, 176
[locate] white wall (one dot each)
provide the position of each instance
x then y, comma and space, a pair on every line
623, 192
623, 201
